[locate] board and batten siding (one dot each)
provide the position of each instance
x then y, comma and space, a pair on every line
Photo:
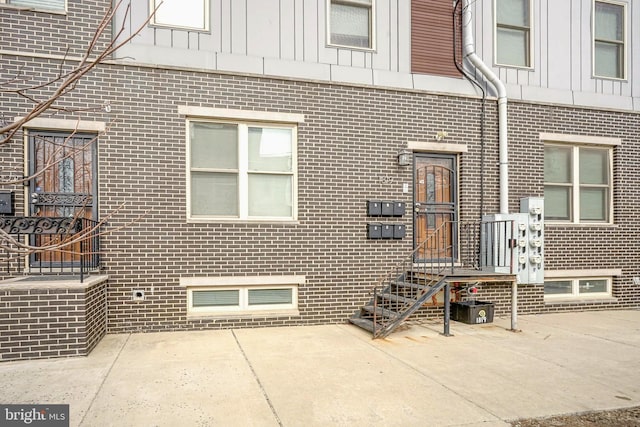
562, 69
288, 38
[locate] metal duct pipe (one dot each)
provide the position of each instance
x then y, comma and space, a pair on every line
469, 52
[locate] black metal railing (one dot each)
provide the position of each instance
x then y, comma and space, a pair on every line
474, 245
50, 245
392, 295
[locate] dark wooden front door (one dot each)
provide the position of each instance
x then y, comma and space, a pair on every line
63, 184
435, 207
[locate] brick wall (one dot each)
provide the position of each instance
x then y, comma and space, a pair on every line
54, 34
346, 156
51, 320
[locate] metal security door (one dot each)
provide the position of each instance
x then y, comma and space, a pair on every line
63, 184
435, 207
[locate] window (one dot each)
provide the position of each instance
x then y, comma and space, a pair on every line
48, 5
513, 32
237, 295
608, 40
577, 183
242, 299
187, 14
351, 23
574, 287
241, 171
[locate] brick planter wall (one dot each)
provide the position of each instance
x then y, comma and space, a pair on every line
45, 319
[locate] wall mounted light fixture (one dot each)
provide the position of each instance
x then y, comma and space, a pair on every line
440, 135
405, 157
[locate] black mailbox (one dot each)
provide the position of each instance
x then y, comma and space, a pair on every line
387, 208
6, 203
374, 231
398, 208
387, 231
399, 231
374, 208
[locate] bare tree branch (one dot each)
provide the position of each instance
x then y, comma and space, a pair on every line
65, 83
46, 97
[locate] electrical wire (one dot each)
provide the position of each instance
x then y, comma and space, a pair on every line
483, 107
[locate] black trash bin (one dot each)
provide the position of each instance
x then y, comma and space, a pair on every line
472, 312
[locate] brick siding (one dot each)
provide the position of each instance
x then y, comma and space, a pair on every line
59, 320
346, 155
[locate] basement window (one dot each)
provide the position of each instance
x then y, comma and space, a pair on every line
577, 288
242, 299
242, 295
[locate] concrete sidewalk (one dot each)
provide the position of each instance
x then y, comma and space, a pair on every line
337, 376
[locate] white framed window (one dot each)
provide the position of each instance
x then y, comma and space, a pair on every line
242, 299
57, 6
578, 183
513, 33
186, 14
241, 170
242, 295
609, 35
577, 287
351, 23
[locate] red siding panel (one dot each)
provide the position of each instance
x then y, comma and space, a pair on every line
432, 38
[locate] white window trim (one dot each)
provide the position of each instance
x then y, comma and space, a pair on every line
7, 3
560, 274
436, 147
261, 118
372, 28
576, 141
243, 285
64, 125
243, 196
624, 40
579, 139
575, 285
207, 18
245, 115
531, 39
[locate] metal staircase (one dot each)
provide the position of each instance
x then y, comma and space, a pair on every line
396, 302
404, 290
480, 250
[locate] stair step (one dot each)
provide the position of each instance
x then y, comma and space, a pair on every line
390, 314
411, 285
364, 323
397, 298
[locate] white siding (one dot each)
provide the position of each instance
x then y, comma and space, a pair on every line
562, 55
288, 38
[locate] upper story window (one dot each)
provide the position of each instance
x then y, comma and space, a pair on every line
609, 40
351, 23
242, 171
513, 32
577, 183
187, 14
46, 5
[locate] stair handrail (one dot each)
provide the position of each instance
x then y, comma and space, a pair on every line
434, 271
423, 272
393, 273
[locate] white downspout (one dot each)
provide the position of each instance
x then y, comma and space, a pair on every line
469, 51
